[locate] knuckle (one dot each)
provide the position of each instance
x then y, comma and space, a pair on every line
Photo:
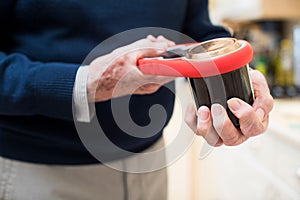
231, 140
270, 102
199, 132
202, 131
229, 143
237, 140
253, 129
246, 122
125, 57
247, 117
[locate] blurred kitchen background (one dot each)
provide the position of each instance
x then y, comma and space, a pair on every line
267, 166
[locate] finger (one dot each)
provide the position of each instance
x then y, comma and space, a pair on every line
205, 128
151, 50
151, 38
190, 117
142, 48
263, 98
259, 82
224, 127
161, 38
251, 121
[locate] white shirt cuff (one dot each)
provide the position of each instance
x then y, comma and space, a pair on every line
84, 111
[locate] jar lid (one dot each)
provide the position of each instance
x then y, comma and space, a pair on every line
212, 48
210, 58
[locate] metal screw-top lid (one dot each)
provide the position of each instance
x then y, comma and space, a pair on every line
212, 48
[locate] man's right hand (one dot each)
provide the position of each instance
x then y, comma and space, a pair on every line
116, 74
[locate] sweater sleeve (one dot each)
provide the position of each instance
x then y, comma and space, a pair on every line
198, 25
36, 88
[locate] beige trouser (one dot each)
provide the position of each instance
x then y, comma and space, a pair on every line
25, 181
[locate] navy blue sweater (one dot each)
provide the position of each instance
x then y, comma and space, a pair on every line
42, 45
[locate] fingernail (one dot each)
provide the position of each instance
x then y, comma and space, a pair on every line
203, 113
260, 114
217, 109
234, 104
171, 43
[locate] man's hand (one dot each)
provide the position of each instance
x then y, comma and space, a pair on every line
116, 74
217, 129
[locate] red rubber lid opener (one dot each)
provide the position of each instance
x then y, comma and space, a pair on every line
195, 60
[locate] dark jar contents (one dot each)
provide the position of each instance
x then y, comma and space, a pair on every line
230, 78
220, 88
